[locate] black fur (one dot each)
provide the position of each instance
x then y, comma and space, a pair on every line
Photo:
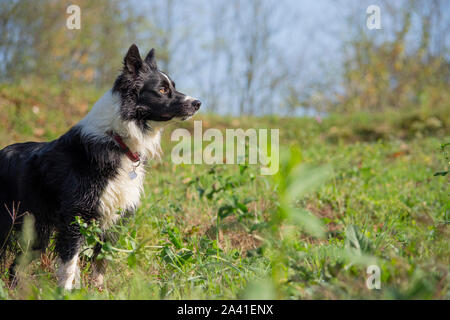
59, 180
55, 181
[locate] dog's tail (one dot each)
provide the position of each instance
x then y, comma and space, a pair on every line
8, 209
6, 229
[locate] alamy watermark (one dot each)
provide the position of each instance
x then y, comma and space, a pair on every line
374, 279
374, 19
73, 21
251, 146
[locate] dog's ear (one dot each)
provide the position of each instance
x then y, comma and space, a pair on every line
151, 60
132, 61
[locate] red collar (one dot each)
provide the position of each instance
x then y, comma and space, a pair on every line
135, 157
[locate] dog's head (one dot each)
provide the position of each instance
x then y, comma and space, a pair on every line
147, 94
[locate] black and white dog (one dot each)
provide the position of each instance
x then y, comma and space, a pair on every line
96, 169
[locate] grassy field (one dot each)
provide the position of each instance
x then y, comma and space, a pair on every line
352, 191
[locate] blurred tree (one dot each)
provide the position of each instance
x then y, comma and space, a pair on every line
405, 64
255, 66
399, 71
261, 67
35, 40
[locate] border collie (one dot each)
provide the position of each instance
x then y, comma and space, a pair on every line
96, 169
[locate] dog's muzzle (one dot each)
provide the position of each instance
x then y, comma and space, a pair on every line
190, 106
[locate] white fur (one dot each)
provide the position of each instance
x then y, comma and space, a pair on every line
165, 75
122, 192
68, 273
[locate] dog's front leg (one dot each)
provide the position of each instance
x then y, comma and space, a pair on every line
68, 272
68, 244
99, 265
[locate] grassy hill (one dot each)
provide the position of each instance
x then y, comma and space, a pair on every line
365, 194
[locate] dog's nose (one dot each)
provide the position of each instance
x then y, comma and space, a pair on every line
196, 104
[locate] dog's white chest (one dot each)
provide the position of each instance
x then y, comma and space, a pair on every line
121, 193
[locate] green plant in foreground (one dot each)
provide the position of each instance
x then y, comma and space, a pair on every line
94, 236
292, 181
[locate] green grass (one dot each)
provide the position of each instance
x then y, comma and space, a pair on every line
352, 191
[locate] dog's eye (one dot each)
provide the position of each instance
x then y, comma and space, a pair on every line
164, 90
